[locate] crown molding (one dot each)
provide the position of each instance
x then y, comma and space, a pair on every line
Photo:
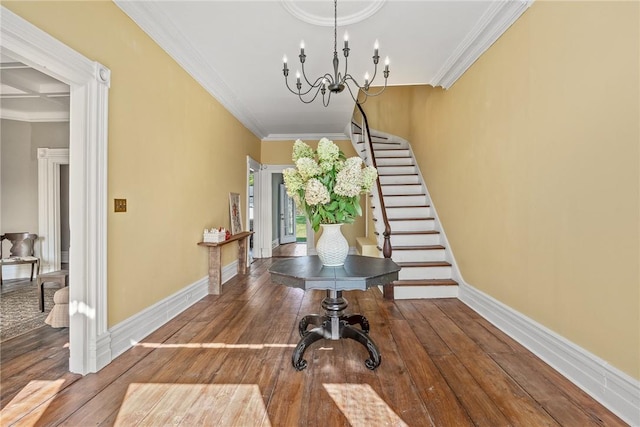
168, 36
305, 137
495, 21
39, 117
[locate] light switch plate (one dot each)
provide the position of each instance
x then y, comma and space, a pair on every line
120, 205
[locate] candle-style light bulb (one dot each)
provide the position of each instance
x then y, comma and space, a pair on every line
366, 79
375, 48
346, 40
302, 47
386, 64
297, 76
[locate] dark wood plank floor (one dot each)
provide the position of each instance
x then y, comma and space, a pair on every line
226, 361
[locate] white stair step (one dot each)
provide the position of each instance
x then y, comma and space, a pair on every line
415, 239
400, 179
402, 189
418, 255
412, 224
408, 212
422, 273
405, 200
394, 161
396, 170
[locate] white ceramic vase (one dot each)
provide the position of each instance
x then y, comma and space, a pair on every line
332, 247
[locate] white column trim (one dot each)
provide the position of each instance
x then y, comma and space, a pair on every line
49, 161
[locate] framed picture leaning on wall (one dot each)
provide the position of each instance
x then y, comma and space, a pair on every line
235, 212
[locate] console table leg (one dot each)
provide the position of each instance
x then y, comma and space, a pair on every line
374, 359
312, 336
215, 270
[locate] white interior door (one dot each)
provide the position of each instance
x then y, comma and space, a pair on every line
287, 217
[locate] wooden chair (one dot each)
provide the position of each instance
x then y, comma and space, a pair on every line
22, 251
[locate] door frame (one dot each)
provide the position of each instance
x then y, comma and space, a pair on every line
262, 245
89, 338
49, 162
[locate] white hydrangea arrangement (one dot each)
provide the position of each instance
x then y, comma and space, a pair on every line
327, 185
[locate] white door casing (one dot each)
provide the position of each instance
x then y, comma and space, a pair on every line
287, 217
89, 83
49, 161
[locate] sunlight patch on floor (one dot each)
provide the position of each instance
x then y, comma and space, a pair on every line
193, 404
215, 345
33, 399
362, 406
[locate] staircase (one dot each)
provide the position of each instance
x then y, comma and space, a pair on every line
417, 242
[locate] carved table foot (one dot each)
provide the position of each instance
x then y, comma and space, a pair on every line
324, 330
348, 331
309, 338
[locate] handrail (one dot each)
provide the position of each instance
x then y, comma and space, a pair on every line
386, 247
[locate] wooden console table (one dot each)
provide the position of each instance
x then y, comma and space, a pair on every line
215, 259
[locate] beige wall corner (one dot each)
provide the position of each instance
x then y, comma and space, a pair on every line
532, 160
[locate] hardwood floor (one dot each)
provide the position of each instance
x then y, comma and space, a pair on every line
289, 250
226, 361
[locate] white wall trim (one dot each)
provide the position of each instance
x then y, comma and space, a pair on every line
89, 86
49, 161
613, 388
34, 117
496, 20
129, 332
305, 137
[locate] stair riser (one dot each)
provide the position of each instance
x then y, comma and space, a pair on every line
396, 170
415, 240
424, 273
396, 161
400, 179
422, 225
422, 212
392, 153
418, 255
416, 200
385, 145
388, 190
425, 292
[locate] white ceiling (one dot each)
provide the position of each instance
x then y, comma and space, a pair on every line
29, 95
234, 49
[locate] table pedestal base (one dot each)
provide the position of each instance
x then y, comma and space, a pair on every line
334, 325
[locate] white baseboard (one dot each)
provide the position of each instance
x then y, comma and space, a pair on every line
616, 390
129, 332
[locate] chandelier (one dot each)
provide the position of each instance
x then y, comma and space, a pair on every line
336, 82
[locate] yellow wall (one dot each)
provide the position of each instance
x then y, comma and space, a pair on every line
532, 159
279, 153
174, 153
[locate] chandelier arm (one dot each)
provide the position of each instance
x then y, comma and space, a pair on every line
378, 92
299, 93
356, 98
305, 77
312, 99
